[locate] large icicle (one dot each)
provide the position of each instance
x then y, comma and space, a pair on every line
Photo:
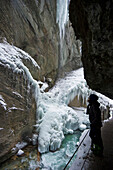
62, 15
62, 19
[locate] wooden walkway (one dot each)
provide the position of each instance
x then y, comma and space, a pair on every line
87, 161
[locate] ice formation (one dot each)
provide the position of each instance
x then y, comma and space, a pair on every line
57, 119
62, 19
62, 15
14, 59
54, 118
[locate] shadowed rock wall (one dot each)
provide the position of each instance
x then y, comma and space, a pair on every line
93, 24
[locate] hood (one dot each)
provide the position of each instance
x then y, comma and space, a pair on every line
93, 98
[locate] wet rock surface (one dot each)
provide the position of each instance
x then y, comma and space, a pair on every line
29, 160
93, 24
17, 111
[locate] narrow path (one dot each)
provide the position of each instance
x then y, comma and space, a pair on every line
82, 152
91, 162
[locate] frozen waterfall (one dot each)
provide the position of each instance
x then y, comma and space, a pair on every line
62, 18
62, 15
54, 118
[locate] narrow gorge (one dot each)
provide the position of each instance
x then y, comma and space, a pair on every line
43, 47
32, 27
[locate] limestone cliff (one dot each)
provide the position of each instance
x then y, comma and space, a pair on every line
31, 26
17, 99
18, 117
93, 24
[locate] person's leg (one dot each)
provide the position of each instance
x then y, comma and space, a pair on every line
92, 134
91, 145
98, 143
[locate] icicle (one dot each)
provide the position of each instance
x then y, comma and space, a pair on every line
83, 98
78, 95
62, 15
61, 19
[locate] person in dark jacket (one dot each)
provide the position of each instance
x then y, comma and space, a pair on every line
94, 113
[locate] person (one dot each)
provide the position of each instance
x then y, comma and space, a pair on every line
94, 113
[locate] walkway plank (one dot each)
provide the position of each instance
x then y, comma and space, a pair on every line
92, 162
82, 152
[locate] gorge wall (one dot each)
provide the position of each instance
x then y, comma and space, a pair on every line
31, 26
93, 24
17, 116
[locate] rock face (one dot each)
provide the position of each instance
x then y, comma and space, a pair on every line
31, 26
18, 116
17, 102
93, 24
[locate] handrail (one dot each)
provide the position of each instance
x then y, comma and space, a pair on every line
75, 151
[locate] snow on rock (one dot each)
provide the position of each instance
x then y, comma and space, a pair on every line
21, 145
17, 94
1, 98
14, 108
13, 60
18, 148
12, 57
1, 128
20, 152
82, 127
105, 101
2, 103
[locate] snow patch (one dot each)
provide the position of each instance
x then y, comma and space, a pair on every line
14, 108
1, 128
21, 145
13, 56
20, 152
1, 98
82, 127
17, 94
2, 103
